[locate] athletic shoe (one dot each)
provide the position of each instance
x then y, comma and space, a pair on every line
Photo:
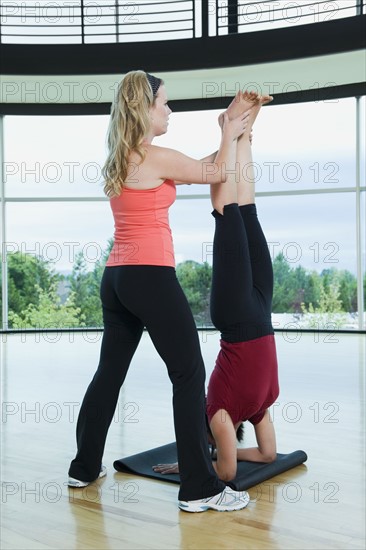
77, 483
227, 501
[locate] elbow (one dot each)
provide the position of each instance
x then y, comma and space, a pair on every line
216, 175
269, 457
217, 179
220, 177
227, 474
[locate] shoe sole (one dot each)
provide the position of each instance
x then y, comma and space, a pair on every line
77, 484
205, 508
217, 507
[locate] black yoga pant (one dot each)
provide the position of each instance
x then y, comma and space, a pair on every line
242, 275
134, 297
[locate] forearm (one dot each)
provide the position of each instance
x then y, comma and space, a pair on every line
226, 157
214, 166
224, 162
253, 454
225, 152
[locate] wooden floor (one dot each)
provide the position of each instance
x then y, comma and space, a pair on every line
321, 409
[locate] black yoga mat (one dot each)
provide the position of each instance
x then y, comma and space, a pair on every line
248, 473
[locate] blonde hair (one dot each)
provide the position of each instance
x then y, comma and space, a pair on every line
128, 126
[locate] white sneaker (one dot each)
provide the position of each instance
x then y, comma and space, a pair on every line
72, 482
227, 501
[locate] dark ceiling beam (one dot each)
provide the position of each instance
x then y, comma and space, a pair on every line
315, 39
323, 94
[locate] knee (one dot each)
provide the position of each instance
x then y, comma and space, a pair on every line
192, 374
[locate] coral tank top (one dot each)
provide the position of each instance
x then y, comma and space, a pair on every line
142, 233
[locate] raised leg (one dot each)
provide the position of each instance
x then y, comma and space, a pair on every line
239, 186
245, 182
260, 259
242, 270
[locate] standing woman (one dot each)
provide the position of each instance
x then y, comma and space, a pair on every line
139, 289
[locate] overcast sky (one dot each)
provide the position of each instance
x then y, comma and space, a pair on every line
295, 147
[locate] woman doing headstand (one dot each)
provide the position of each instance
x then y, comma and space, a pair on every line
244, 382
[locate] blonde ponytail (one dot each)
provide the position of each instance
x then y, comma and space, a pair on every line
128, 126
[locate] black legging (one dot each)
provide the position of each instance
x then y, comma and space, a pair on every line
150, 296
242, 275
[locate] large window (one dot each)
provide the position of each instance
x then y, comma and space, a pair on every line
310, 196
254, 15
105, 21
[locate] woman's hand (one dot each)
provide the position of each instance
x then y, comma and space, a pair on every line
235, 127
166, 468
221, 123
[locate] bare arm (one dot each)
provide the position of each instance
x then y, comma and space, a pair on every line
223, 432
226, 452
210, 158
171, 164
266, 439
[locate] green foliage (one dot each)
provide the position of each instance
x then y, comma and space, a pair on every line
329, 313
297, 290
34, 300
347, 287
85, 286
24, 273
292, 287
195, 279
281, 290
34, 292
49, 311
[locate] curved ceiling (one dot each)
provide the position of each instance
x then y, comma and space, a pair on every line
331, 59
